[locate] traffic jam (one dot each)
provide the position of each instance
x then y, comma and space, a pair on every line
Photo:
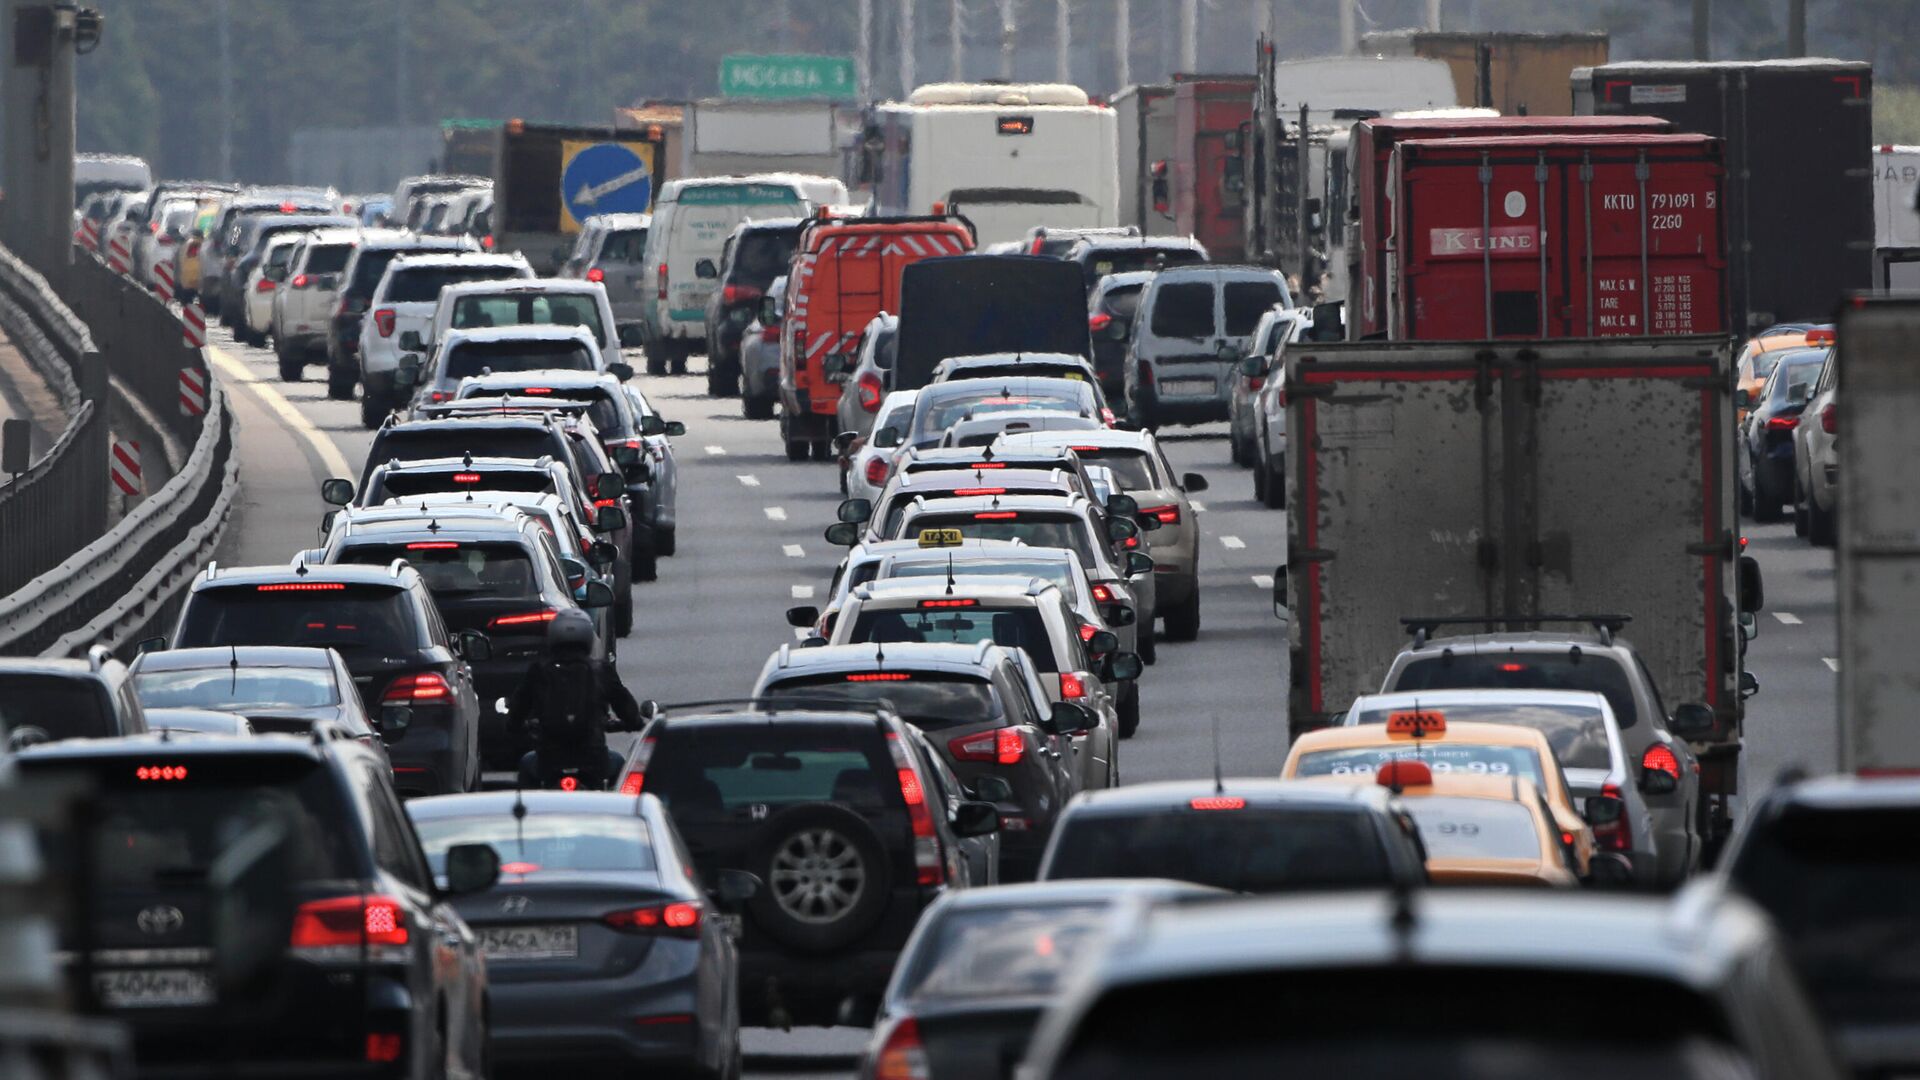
1515, 388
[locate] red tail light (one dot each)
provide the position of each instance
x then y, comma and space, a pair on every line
953, 603
680, 919
996, 515
193, 247
633, 783
636, 778
1256, 382
160, 772
738, 294
383, 321
964, 492
1829, 420
663, 281
466, 478
301, 281
929, 867
902, 1056
1002, 746
1783, 423
153, 227
433, 545
426, 687
264, 285
596, 274
880, 676
870, 390
1616, 835
1661, 759
1217, 802
348, 922
438, 396
1099, 321
1168, 514
1039, 245
877, 469
385, 1046
1072, 686
486, 243
530, 618
302, 586
1087, 630
1102, 594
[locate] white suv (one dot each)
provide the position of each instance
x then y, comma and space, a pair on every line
400, 316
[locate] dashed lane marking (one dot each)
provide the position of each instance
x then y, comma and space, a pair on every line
775, 513
748, 479
794, 551
717, 451
802, 633
236, 372
1233, 543
1833, 663
1787, 617
1264, 581
803, 592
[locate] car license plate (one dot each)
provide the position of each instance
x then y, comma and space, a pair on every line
154, 988
530, 942
1186, 386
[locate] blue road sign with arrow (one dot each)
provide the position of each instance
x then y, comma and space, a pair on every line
605, 178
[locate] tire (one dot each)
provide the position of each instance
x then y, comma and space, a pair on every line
1243, 451
1183, 619
666, 541
797, 449
720, 383
646, 566
822, 450
1129, 710
1148, 645
756, 408
657, 358
1820, 524
340, 383
1259, 480
371, 411
1273, 494
623, 614
1764, 500
1800, 522
291, 368
832, 903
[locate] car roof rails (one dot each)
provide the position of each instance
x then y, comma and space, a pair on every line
1422, 627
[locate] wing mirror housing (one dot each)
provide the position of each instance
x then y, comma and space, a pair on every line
1122, 667
336, 491
1691, 721
733, 888
620, 370
1118, 328
1122, 505
653, 424
1120, 528
626, 456
407, 375
1103, 641
705, 270
803, 617
1193, 482
393, 721
1069, 718
1119, 614
599, 595
1253, 367
473, 645
603, 554
843, 533
410, 341
976, 819
1749, 685
471, 868
1743, 398
609, 518
609, 485
1657, 781
1753, 590
886, 438
1600, 810
1138, 563
855, 510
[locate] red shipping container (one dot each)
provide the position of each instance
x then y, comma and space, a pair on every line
1208, 109
1557, 236
1370, 154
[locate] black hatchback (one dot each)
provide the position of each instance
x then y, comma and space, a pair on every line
756, 253
845, 818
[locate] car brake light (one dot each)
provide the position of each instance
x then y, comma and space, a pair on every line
383, 320
929, 869
301, 281
486, 242
1661, 759
636, 779
1099, 321
1168, 514
1002, 746
879, 676
385, 1046
536, 389
569, 783
596, 274
1615, 835
870, 391
1087, 630
903, 1056
1217, 802
950, 603
964, 492
348, 922
302, 586
525, 619
633, 783
1072, 686
1102, 594
160, 772
433, 545
466, 478
663, 281
1829, 419
265, 285
426, 686
679, 919
988, 465
737, 294
1822, 335
1039, 245
996, 515
1783, 423
1256, 382
877, 469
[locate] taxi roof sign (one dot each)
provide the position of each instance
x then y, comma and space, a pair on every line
1404, 774
1417, 723
941, 538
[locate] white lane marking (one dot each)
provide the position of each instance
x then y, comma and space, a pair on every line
1264, 581
330, 456
717, 451
1198, 506
1787, 617
748, 479
775, 513
803, 592
1832, 662
794, 551
1233, 543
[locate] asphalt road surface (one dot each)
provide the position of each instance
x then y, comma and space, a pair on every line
750, 546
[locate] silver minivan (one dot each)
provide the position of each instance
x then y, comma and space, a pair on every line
612, 251
1193, 326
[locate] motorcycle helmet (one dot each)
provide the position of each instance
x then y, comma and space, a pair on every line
570, 635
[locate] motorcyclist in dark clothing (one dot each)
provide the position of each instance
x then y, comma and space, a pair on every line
561, 707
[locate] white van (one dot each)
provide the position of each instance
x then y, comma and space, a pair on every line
691, 222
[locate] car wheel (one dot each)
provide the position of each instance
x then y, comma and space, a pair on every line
371, 412
822, 450
657, 358
666, 541
646, 565
797, 449
292, 368
1820, 523
1148, 646
1183, 619
1129, 710
1241, 450
340, 383
720, 383
1764, 501
827, 877
1273, 494
756, 408
1800, 522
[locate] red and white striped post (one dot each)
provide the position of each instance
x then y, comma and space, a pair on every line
163, 281
193, 324
117, 257
193, 391
124, 466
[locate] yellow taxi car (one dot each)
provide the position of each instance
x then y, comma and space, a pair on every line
1759, 355
1500, 751
1480, 829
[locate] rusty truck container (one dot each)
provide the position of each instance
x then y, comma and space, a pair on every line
1208, 196
1516, 73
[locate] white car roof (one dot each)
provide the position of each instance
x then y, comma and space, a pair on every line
455, 258
524, 285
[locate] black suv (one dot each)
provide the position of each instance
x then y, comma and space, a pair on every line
261, 907
846, 818
410, 669
44, 699
756, 253
497, 574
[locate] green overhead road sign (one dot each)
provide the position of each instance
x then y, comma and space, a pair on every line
769, 76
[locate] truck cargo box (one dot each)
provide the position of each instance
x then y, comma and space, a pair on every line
1896, 219
534, 213
1799, 137
1370, 154
1145, 115
1516, 73
973, 304
1208, 111
1556, 236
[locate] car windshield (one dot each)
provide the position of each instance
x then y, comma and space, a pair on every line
624, 245
988, 953
1442, 757
438, 440
709, 771
1516, 670
477, 311
232, 689
63, 708
481, 357
934, 415
1035, 528
1800, 370
1577, 733
1454, 828
931, 700
1247, 301
1183, 310
1123, 301
1245, 850
1844, 888
1057, 571
392, 483
457, 571
544, 842
601, 409
328, 258
1019, 627
358, 620
422, 284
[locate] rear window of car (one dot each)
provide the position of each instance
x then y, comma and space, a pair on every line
1577, 734
712, 771
1245, 850
1516, 670
1183, 310
1122, 300
358, 620
1472, 759
762, 255
983, 396
1474, 828
394, 484
422, 284
987, 953
1246, 301
1128, 260
63, 708
601, 409
1035, 528
1057, 571
1132, 468
625, 245
235, 689
456, 571
1019, 627
529, 309
480, 357
543, 842
1799, 370
328, 258
419, 445
367, 271
931, 700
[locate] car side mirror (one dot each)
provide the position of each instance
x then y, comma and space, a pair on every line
855, 510
653, 424
733, 888
705, 269
1120, 505
410, 341
1691, 720
1749, 685
1123, 666
473, 645
632, 337
1117, 329
574, 569
599, 594
1602, 810
1119, 614
1742, 398
407, 374
1120, 528
1280, 591
603, 554
471, 868
1253, 367
1753, 591
1193, 482
803, 617
1138, 563
147, 645
609, 485
1068, 718
769, 313
1797, 394
625, 456
843, 533
843, 443
886, 438
1103, 641
609, 518
1227, 351
1657, 781
675, 429
1147, 522
620, 370
976, 819
336, 491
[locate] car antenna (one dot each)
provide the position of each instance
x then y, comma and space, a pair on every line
433, 526
987, 453
949, 573
519, 818
302, 568
467, 460
1219, 784
233, 670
